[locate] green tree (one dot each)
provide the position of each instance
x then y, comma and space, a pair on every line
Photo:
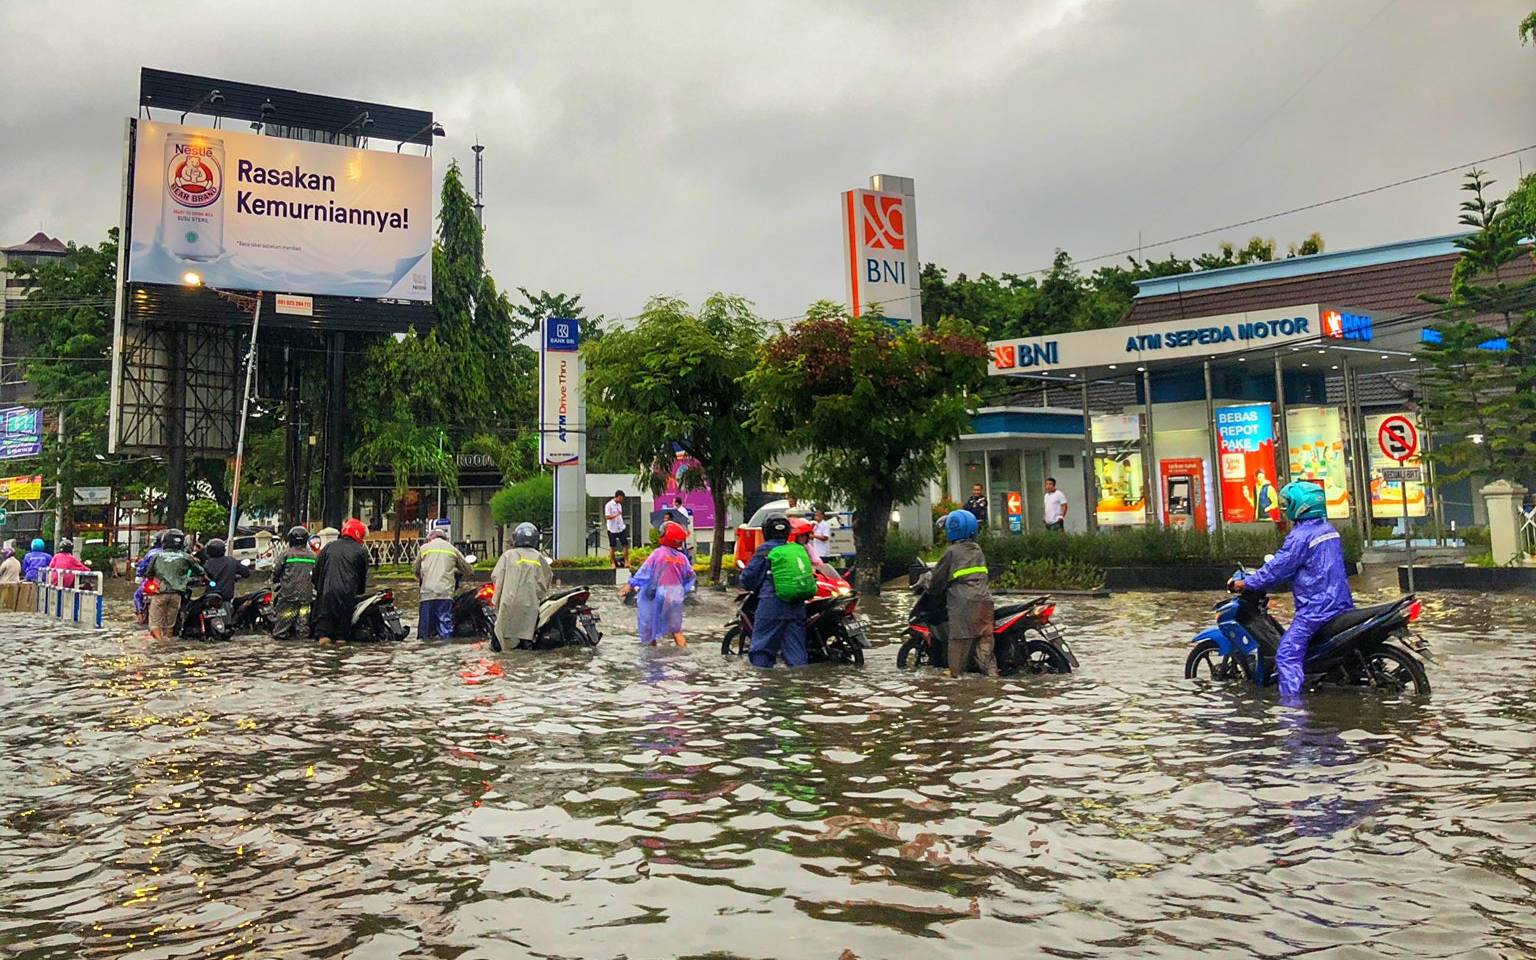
1480, 392
1528, 29
207, 519
535, 308
873, 405
531, 500
677, 383
65, 331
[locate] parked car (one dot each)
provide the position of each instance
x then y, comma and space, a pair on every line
749, 536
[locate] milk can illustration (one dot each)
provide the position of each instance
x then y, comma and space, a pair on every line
192, 218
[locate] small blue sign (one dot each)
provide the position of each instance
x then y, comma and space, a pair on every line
562, 334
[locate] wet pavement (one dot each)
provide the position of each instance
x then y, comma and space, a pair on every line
268, 800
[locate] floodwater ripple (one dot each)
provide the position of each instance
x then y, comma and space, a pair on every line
263, 799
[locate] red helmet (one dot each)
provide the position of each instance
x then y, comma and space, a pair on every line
800, 530
673, 535
354, 530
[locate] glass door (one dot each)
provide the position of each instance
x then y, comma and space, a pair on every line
1034, 489
1003, 477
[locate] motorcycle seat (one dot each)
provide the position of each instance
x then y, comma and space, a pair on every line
1357, 616
562, 592
1009, 609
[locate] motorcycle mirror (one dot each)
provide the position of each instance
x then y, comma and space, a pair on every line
915, 572
471, 559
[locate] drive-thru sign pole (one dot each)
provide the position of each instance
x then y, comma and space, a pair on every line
1399, 440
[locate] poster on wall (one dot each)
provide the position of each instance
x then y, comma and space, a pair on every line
249, 212
1387, 497
1246, 437
1118, 471
701, 502
21, 433
1316, 439
1186, 494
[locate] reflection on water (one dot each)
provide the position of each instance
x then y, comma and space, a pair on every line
260, 799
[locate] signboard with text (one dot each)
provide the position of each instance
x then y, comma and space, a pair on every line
1246, 443
21, 432
560, 393
1392, 497
1316, 439
21, 488
880, 247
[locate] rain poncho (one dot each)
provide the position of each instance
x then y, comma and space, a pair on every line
69, 564
142, 572
522, 579
293, 589
1312, 561
174, 569
10, 569
34, 563
341, 575
779, 626
660, 585
959, 581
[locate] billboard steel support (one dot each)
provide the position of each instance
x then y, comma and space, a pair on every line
333, 484
175, 431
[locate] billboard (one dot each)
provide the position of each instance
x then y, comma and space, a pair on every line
21, 488
21, 433
1387, 497
1246, 442
560, 393
880, 244
1117, 470
1316, 439
700, 502
249, 212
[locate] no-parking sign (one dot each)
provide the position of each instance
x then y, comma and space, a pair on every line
1398, 438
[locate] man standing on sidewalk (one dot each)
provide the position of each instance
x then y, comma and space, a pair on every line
1055, 506
618, 530
977, 505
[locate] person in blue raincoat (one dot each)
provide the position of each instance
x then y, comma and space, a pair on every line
35, 562
779, 626
1312, 561
662, 582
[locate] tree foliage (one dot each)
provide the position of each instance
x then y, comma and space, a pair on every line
207, 519
873, 405
676, 383
531, 500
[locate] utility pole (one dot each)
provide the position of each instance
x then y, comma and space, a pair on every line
479, 149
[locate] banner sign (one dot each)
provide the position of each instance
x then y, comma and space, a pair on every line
248, 212
92, 496
1316, 439
1246, 441
1388, 494
1185, 493
1121, 499
701, 502
560, 393
21, 433
1116, 428
21, 488
880, 244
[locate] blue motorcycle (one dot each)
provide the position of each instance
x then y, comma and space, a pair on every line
1353, 649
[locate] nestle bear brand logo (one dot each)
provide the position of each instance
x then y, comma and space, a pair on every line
885, 226
194, 178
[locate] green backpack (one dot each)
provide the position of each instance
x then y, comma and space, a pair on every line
793, 578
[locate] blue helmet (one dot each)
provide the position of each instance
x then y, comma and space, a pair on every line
1303, 500
37, 544
960, 525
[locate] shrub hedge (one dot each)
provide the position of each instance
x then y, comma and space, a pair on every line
1149, 546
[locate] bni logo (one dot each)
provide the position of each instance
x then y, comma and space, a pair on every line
885, 226
1338, 325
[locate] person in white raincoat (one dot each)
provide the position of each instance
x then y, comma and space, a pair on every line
523, 578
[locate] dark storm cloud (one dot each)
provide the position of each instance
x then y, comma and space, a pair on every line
636, 149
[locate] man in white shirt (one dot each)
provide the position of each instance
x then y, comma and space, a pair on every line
821, 537
1055, 506
618, 530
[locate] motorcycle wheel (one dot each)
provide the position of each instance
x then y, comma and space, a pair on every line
735, 643
1391, 668
1205, 662
914, 654
1038, 656
841, 648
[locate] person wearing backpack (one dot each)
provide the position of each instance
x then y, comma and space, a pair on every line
781, 575
959, 581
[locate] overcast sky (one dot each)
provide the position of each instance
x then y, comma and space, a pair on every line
643, 148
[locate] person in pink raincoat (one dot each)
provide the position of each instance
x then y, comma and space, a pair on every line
661, 583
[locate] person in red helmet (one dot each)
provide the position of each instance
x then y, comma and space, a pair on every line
662, 582
341, 575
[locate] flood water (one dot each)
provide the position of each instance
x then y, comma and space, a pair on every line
265, 800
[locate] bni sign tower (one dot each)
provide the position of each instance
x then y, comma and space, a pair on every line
880, 249
563, 430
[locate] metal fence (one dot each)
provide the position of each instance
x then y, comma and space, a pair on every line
81, 601
1528, 531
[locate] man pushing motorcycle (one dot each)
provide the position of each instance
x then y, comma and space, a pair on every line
1312, 561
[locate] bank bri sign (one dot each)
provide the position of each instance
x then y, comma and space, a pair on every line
1179, 339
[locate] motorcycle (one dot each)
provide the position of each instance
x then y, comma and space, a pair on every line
565, 620
1024, 640
253, 612
375, 619
834, 633
1355, 648
205, 617
474, 610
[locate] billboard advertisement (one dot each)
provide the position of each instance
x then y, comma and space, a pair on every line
250, 212
1117, 470
21, 433
880, 243
21, 488
1387, 497
1316, 438
1186, 492
701, 503
1246, 441
560, 393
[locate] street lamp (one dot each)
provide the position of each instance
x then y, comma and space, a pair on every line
251, 302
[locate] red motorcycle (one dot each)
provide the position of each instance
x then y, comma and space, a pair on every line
834, 633
1024, 638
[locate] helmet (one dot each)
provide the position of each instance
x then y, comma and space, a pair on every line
298, 537
438, 534
37, 543
673, 535
525, 534
800, 530
960, 525
215, 547
66, 545
172, 539
776, 527
354, 530
1303, 500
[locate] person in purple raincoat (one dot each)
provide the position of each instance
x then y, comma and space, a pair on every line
1312, 561
661, 583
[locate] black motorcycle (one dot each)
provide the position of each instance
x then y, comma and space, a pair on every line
474, 610
205, 617
375, 619
1024, 640
254, 612
833, 631
565, 620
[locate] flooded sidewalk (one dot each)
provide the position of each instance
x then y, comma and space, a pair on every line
263, 799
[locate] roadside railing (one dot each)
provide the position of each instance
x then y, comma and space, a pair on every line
73, 596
